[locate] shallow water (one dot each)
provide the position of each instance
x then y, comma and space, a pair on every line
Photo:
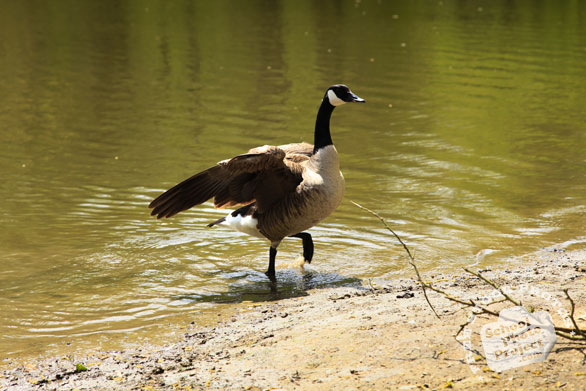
471, 144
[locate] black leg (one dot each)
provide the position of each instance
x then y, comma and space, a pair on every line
307, 245
271, 272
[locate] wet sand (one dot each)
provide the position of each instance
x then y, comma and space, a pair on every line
379, 336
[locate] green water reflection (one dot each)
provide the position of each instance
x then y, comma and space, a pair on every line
472, 141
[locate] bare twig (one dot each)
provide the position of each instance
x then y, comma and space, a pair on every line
411, 258
495, 286
573, 334
572, 308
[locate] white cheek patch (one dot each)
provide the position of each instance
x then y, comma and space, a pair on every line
334, 100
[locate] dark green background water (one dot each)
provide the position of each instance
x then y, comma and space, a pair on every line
471, 143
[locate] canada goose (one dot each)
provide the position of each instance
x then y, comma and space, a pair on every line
285, 189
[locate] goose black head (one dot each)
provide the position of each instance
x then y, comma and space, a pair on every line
338, 94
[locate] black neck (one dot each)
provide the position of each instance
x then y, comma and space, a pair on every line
322, 137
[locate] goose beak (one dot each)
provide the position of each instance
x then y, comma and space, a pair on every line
356, 98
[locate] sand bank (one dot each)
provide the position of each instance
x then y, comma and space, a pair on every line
374, 337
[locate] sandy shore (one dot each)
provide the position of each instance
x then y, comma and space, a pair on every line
375, 337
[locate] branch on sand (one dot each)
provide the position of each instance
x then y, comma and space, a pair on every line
411, 258
573, 333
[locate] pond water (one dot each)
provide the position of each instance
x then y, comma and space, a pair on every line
471, 144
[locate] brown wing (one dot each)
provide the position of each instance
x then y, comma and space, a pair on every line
260, 175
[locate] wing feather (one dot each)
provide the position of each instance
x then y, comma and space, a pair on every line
264, 175
305, 149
